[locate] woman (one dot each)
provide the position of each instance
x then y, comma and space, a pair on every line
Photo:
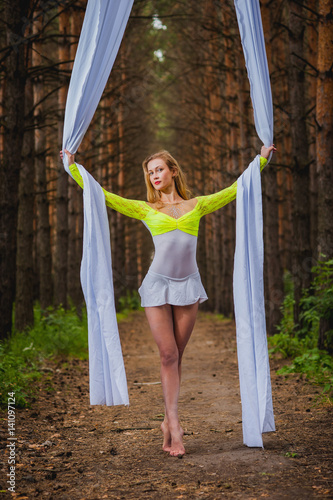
172, 289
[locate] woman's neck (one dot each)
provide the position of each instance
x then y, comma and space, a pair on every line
170, 195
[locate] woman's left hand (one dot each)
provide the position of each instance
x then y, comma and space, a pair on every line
265, 152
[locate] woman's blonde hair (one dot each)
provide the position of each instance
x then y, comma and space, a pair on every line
180, 182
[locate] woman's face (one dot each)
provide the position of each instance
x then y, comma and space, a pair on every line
160, 175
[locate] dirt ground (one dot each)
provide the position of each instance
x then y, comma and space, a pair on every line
67, 449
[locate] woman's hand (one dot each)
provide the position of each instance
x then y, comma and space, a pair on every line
265, 152
70, 157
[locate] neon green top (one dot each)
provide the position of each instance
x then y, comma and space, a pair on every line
160, 222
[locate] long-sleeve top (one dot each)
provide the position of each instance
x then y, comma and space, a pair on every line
175, 239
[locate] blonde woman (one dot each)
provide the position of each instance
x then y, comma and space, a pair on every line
172, 289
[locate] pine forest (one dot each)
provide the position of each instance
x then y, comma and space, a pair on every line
179, 83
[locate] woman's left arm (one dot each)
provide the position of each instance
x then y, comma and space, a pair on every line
212, 202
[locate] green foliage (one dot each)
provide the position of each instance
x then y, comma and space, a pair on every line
317, 302
60, 333
316, 364
130, 302
55, 334
300, 341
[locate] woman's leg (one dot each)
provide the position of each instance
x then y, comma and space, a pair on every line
171, 327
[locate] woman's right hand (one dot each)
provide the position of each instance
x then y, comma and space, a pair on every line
71, 158
265, 152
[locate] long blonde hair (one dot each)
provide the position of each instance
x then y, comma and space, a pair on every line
180, 182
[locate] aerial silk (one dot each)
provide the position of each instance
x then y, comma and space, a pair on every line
102, 31
252, 352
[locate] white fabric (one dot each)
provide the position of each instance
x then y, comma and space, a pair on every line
106, 367
102, 31
253, 361
253, 42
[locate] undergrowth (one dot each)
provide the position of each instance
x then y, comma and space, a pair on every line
299, 342
57, 334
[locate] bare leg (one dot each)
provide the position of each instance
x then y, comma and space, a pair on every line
171, 327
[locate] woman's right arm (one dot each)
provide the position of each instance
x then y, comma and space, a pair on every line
132, 208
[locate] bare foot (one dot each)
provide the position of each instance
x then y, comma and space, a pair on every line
167, 436
177, 448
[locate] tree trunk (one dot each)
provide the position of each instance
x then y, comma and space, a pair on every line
24, 313
273, 264
74, 205
302, 262
61, 251
15, 12
44, 255
324, 117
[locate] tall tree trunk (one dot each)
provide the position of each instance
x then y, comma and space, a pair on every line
24, 313
74, 202
119, 250
273, 264
273, 267
44, 255
302, 262
15, 12
61, 251
324, 117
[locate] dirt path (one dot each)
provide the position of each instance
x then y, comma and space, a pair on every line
69, 450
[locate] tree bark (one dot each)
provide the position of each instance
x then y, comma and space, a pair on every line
74, 206
24, 313
15, 12
61, 251
324, 118
302, 261
44, 255
273, 265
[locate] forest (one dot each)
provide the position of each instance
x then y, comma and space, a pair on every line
179, 83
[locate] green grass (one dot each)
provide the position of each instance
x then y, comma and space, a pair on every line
299, 342
57, 334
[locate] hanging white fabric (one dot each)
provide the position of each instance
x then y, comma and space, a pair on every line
253, 360
107, 376
253, 43
102, 31
101, 34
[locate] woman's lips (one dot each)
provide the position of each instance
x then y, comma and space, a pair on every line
157, 182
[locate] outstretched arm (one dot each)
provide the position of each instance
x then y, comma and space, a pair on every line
131, 208
212, 202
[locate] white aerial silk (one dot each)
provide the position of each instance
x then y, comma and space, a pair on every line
102, 31
253, 361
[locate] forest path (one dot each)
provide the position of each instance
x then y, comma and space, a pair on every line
95, 452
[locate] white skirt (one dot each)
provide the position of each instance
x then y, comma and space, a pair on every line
157, 290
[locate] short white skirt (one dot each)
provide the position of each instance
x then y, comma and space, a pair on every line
157, 290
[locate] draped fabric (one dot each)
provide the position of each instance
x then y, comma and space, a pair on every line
253, 43
106, 367
253, 361
102, 31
